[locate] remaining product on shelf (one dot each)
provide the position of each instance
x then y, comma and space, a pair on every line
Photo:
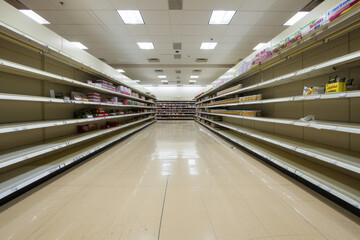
237, 87
175, 109
255, 113
86, 128
236, 100
313, 90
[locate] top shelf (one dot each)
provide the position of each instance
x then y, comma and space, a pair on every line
23, 70
312, 71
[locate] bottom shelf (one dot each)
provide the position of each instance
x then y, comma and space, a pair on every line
343, 186
18, 178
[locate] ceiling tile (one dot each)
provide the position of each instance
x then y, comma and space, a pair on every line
137, 29
117, 29
213, 30
108, 17
153, 4
156, 17
53, 4
275, 18
237, 30
247, 18
265, 30
124, 4
177, 30
83, 29
176, 16
256, 5
196, 17
195, 30
211, 4
98, 5
159, 29
288, 5
67, 16
161, 39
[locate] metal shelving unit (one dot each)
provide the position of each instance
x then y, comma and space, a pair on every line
39, 134
323, 151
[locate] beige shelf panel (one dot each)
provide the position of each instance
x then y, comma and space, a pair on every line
337, 157
17, 97
336, 183
313, 71
23, 176
14, 156
15, 127
325, 125
23, 70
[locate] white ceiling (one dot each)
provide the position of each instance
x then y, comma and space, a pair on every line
96, 24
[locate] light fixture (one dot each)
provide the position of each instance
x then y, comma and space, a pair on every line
194, 76
120, 70
131, 16
161, 76
146, 45
259, 46
164, 80
192, 81
221, 17
34, 16
137, 81
208, 45
295, 18
79, 45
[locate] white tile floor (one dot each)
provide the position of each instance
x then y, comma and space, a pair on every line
174, 180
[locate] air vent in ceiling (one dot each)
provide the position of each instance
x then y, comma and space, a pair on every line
178, 82
159, 71
202, 60
177, 45
177, 71
165, 83
191, 83
175, 4
153, 60
177, 56
197, 71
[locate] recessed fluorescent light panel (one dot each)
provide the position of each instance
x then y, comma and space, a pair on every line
161, 76
164, 80
79, 45
120, 70
221, 17
145, 45
295, 18
192, 81
208, 45
259, 46
194, 76
131, 16
34, 16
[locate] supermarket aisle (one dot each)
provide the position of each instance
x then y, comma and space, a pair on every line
178, 180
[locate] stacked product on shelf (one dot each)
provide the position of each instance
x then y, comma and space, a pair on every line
58, 117
309, 103
180, 110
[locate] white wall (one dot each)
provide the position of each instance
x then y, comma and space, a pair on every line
175, 93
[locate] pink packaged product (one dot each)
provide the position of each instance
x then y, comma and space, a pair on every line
114, 100
339, 9
262, 55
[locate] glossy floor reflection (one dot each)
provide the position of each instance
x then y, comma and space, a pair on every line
174, 180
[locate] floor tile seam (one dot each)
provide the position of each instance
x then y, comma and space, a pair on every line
163, 208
